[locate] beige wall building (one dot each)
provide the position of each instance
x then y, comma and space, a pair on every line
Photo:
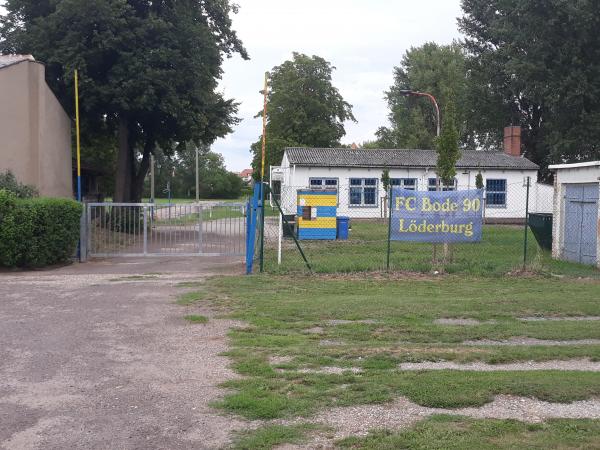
35, 131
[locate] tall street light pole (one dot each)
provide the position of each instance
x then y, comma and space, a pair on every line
409, 93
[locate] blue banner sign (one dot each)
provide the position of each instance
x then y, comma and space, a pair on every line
447, 216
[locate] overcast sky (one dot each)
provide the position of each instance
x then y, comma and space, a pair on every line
363, 39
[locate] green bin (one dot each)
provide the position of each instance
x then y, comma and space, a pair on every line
541, 226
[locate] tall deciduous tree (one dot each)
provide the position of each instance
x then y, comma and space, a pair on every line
304, 109
149, 70
539, 62
435, 69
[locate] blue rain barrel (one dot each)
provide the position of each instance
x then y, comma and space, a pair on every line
343, 224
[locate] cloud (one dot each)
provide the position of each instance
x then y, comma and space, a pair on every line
364, 39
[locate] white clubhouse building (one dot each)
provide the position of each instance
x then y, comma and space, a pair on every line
356, 174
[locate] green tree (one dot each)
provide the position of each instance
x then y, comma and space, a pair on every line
304, 109
479, 181
448, 151
539, 62
435, 69
370, 144
148, 69
178, 169
8, 182
385, 179
274, 148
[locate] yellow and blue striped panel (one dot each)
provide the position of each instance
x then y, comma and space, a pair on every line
319, 222
319, 200
324, 225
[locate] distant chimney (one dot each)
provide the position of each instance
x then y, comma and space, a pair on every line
512, 141
354, 146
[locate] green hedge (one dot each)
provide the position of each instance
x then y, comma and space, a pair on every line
37, 232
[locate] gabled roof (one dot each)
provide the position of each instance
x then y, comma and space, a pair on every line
9, 60
346, 157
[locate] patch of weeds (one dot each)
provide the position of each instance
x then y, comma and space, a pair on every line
253, 367
265, 438
189, 298
459, 433
379, 362
454, 389
190, 284
196, 318
263, 399
135, 277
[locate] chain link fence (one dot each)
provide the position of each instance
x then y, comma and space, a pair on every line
507, 244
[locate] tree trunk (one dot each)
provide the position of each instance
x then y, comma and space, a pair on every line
124, 164
138, 180
129, 183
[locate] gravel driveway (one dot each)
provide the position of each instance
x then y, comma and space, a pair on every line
90, 358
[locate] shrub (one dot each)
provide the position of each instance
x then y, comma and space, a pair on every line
10, 183
479, 181
37, 232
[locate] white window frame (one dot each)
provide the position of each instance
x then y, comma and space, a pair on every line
362, 187
433, 188
402, 183
323, 184
505, 192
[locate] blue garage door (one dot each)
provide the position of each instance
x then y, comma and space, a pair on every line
581, 223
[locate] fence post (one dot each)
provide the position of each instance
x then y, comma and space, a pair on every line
200, 228
526, 220
249, 233
389, 242
262, 226
280, 238
83, 234
145, 209
253, 208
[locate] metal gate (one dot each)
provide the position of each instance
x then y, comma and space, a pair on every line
148, 229
581, 217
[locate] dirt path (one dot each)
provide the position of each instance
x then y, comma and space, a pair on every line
90, 358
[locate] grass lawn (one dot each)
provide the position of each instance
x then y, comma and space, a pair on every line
500, 251
189, 298
444, 432
272, 435
290, 317
300, 327
163, 201
208, 214
450, 432
218, 213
